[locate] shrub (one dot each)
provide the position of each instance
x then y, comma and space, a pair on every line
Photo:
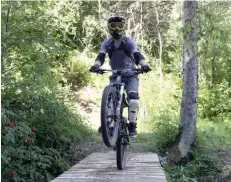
23, 159
38, 125
211, 139
214, 102
164, 131
162, 103
77, 73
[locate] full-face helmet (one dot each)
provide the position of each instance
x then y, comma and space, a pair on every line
116, 26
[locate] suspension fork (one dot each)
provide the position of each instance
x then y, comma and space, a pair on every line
120, 100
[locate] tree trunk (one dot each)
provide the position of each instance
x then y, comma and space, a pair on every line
181, 151
213, 64
129, 23
203, 62
160, 46
213, 69
99, 10
141, 24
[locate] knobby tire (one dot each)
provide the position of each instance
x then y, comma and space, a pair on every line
107, 91
121, 153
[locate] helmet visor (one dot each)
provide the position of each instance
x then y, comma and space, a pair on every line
116, 25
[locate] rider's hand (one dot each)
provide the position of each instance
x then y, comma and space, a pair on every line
94, 68
145, 68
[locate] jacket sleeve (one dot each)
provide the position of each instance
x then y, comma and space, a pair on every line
101, 56
134, 50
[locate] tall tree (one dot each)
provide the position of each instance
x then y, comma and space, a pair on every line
187, 135
160, 45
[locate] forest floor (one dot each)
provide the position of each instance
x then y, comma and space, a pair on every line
225, 161
88, 104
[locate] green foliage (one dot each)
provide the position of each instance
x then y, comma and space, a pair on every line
212, 139
214, 41
214, 102
76, 24
34, 62
201, 166
162, 108
77, 73
164, 131
57, 126
22, 155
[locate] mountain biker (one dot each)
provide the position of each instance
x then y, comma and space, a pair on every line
124, 54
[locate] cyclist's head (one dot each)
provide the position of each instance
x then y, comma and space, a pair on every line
116, 26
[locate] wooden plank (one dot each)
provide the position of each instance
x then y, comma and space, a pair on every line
101, 167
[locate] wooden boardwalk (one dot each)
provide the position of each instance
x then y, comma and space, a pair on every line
101, 167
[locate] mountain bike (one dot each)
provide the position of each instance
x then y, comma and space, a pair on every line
114, 126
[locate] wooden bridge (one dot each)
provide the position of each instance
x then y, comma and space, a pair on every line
101, 167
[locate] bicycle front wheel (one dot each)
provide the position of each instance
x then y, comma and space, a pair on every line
109, 125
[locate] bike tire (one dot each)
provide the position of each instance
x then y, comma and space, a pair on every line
105, 135
121, 152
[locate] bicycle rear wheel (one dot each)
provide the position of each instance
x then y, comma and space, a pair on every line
121, 152
122, 145
109, 125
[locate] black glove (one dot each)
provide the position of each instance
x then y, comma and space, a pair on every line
94, 68
145, 68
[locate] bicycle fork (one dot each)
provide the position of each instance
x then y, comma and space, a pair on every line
118, 108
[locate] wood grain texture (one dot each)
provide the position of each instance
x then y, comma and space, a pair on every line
101, 167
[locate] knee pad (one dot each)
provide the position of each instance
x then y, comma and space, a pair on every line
133, 110
133, 95
133, 103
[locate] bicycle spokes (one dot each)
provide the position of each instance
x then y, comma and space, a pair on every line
108, 119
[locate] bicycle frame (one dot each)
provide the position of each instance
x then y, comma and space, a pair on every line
121, 85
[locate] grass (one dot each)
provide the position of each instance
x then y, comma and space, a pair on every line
213, 140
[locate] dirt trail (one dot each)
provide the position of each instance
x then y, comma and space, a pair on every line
88, 104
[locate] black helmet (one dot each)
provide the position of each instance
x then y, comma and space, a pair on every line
116, 26
116, 19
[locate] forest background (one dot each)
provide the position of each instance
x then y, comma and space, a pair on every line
46, 50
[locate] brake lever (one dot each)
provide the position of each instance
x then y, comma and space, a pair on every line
100, 72
142, 71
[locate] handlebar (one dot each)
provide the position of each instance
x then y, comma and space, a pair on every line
120, 72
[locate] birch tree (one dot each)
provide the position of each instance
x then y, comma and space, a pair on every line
187, 135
